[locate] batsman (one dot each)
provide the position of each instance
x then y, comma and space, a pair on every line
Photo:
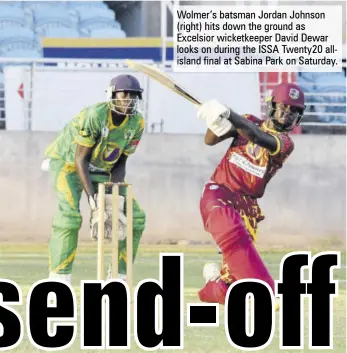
93, 148
229, 203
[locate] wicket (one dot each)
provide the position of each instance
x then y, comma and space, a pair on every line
115, 224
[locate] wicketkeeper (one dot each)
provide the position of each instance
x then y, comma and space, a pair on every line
229, 206
92, 148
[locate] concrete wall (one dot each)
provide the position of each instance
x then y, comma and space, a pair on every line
304, 205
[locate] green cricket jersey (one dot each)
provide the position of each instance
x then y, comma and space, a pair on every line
93, 127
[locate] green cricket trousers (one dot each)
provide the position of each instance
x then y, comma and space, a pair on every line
68, 220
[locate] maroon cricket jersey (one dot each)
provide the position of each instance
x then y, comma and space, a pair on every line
247, 168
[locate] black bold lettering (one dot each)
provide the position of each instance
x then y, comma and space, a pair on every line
203, 314
321, 290
291, 288
10, 321
97, 299
51, 315
243, 295
147, 313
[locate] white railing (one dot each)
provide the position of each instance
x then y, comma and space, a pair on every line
320, 104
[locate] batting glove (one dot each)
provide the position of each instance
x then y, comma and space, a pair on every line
215, 116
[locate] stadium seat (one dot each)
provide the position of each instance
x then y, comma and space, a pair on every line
37, 5
95, 13
52, 19
319, 87
108, 33
86, 4
11, 16
18, 38
332, 87
61, 32
44, 20
12, 3
96, 19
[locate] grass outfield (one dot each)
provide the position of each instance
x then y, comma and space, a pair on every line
26, 264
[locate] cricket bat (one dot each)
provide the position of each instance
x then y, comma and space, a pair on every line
162, 78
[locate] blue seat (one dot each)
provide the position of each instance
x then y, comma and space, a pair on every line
108, 33
12, 3
45, 19
326, 93
78, 7
96, 19
332, 89
86, 4
61, 32
18, 38
94, 24
11, 16
87, 13
37, 5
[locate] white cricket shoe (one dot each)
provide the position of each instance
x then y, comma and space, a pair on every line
120, 276
60, 277
211, 272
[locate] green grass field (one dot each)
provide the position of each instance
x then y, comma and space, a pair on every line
27, 264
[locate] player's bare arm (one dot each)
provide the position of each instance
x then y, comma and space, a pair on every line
82, 157
119, 170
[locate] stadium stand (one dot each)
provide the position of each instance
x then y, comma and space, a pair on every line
24, 23
326, 95
12, 16
18, 38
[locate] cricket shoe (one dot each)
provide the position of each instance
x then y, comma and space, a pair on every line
60, 277
211, 272
120, 276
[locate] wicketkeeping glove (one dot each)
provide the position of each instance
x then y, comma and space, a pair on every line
94, 219
94, 216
